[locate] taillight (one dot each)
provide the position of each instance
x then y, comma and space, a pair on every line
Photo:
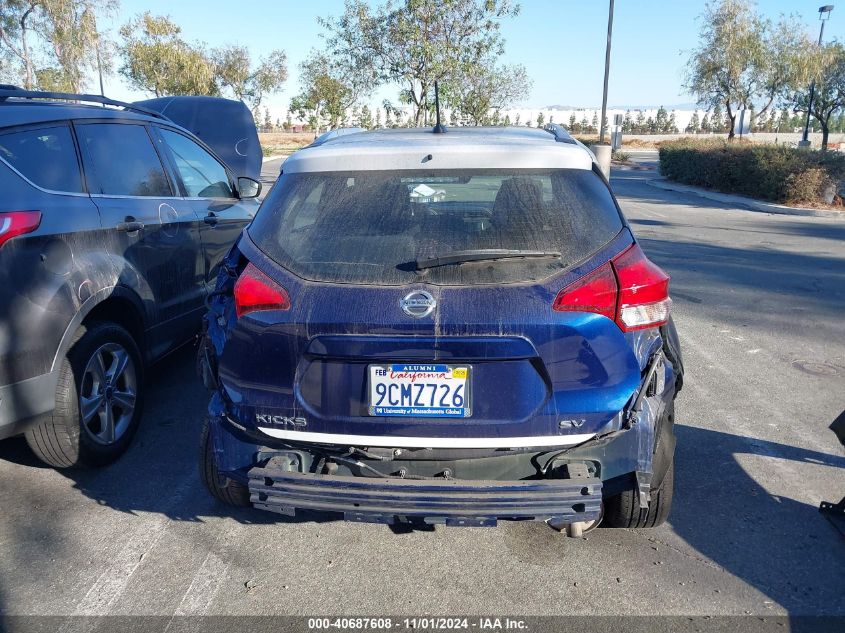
256, 291
595, 292
643, 291
629, 289
14, 223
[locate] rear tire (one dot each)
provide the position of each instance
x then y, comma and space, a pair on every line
221, 488
103, 374
623, 510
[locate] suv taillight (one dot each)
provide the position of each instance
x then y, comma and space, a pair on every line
14, 223
629, 289
255, 291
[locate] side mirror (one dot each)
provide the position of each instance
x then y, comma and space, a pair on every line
248, 187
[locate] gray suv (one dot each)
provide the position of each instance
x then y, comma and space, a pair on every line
113, 224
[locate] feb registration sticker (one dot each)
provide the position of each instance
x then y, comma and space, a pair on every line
411, 390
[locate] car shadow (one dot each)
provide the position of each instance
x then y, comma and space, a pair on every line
160, 471
779, 545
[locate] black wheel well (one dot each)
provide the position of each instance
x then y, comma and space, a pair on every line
121, 311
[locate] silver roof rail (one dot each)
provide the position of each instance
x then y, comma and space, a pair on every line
336, 133
560, 133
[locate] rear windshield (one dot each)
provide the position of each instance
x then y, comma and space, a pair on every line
378, 227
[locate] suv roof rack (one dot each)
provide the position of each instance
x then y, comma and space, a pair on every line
560, 133
8, 91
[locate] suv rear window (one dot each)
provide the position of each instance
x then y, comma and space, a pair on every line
372, 227
46, 156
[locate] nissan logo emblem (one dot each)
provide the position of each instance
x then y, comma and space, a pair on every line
418, 304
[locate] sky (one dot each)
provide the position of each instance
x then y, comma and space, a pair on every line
560, 42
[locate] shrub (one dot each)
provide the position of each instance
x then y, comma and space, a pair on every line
771, 172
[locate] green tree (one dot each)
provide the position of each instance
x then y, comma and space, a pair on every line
366, 118
783, 121
507, 121
487, 89
661, 121
672, 124
742, 58
413, 43
157, 60
66, 41
828, 72
16, 23
694, 125
541, 119
640, 125
706, 126
594, 124
69, 29
323, 97
718, 120
388, 112
234, 71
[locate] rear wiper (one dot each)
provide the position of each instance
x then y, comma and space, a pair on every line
481, 255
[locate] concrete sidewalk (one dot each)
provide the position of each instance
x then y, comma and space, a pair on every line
743, 201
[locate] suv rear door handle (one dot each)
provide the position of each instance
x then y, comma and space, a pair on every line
210, 219
130, 226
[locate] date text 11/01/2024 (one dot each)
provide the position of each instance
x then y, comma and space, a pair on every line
417, 624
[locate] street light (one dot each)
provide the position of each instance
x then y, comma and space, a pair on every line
607, 71
824, 16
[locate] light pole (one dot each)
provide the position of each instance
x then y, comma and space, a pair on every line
824, 16
607, 71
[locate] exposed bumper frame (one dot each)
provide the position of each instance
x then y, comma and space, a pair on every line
449, 501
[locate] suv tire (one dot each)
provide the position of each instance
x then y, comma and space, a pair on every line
221, 488
623, 510
99, 398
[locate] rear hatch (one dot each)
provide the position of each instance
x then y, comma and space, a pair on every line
421, 311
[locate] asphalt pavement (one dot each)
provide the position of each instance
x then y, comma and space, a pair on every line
759, 303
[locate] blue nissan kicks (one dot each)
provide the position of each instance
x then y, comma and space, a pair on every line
452, 328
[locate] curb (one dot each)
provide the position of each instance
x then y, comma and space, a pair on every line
267, 159
748, 203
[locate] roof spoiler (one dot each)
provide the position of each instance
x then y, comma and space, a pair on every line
8, 91
560, 133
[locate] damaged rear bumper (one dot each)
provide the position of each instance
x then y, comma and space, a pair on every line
452, 502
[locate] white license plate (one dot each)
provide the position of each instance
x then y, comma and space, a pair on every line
420, 390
